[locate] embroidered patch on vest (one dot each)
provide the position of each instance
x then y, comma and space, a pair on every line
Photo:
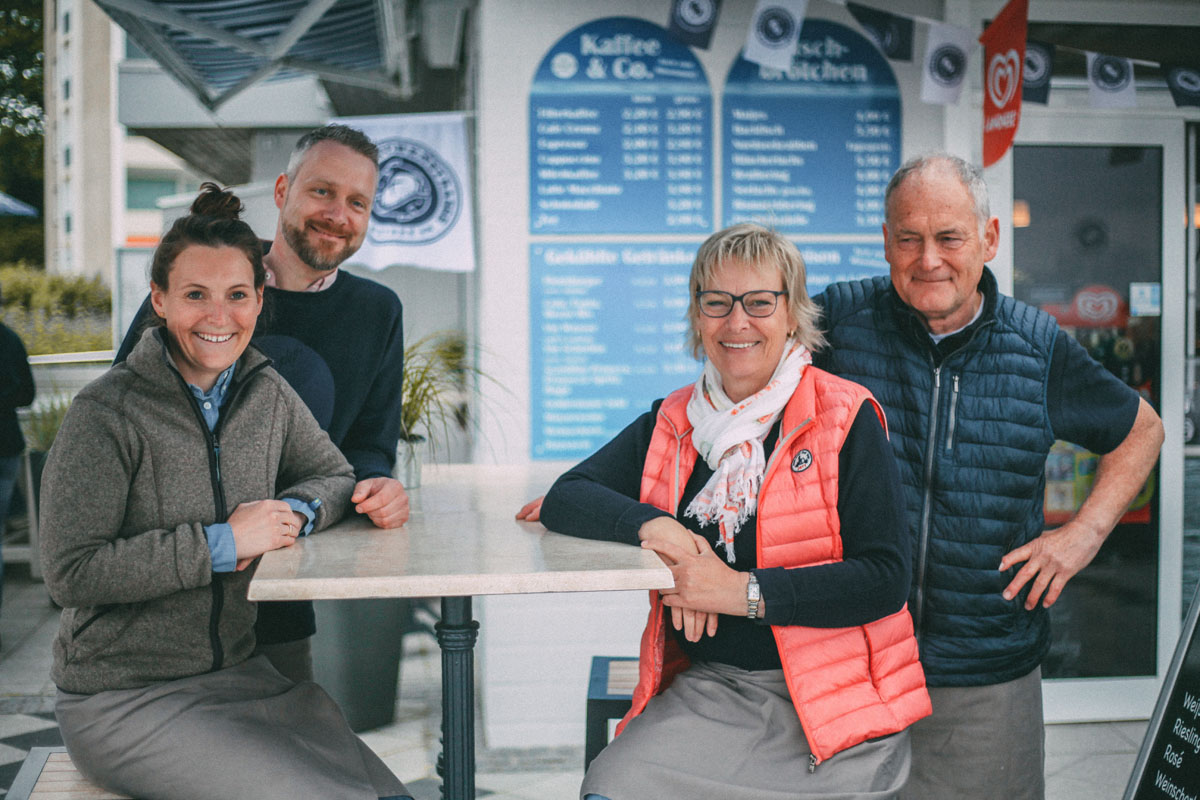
802, 461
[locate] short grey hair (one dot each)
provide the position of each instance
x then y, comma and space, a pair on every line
759, 248
344, 135
970, 175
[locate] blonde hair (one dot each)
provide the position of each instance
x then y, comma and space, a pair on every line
760, 249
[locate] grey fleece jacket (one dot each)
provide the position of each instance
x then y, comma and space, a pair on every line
130, 483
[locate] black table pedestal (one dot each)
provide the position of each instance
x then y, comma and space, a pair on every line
456, 634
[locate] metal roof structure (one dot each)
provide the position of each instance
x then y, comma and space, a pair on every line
219, 48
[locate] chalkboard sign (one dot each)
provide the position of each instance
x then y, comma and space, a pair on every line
1168, 764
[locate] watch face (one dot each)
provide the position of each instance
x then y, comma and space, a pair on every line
753, 590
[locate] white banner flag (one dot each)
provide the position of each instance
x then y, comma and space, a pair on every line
774, 32
1110, 81
947, 51
422, 214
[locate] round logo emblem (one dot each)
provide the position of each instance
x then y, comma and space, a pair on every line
1110, 73
775, 27
695, 16
947, 64
1037, 66
419, 196
802, 461
1186, 80
564, 66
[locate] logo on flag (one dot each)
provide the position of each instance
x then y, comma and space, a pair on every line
892, 34
695, 16
419, 196
1184, 83
692, 21
1039, 66
1003, 77
947, 64
1111, 74
775, 27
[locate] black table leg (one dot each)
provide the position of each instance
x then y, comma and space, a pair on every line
456, 635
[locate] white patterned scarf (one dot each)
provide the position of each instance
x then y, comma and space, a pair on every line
729, 437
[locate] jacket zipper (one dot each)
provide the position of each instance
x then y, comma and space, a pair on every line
953, 414
927, 502
213, 440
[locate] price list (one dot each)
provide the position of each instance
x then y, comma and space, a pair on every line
810, 150
620, 134
608, 337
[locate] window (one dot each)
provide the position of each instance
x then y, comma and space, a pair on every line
67, 156
141, 193
67, 89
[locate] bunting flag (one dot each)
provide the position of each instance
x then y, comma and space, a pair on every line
1039, 66
892, 34
693, 21
1004, 64
1184, 83
774, 32
946, 56
1110, 81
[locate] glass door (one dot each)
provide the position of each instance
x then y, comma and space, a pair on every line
1097, 211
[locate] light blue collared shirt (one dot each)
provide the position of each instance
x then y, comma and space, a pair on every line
221, 544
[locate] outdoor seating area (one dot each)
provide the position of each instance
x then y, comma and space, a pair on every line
1083, 762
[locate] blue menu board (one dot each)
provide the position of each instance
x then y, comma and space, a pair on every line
609, 334
620, 134
810, 150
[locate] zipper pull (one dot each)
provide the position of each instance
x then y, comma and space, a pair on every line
812, 763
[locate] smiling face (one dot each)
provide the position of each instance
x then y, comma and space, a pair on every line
210, 308
745, 350
325, 206
937, 248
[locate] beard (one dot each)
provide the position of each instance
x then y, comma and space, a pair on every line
312, 255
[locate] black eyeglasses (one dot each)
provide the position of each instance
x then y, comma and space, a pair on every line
759, 303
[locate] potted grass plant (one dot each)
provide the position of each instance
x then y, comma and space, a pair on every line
433, 399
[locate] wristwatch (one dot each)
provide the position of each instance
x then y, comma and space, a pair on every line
753, 596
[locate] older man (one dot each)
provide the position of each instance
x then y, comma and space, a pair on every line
335, 337
977, 386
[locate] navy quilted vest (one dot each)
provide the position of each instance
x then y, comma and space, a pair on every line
971, 437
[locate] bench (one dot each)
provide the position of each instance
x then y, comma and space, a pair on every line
48, 774
610, 695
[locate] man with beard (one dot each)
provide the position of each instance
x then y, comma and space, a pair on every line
336, 338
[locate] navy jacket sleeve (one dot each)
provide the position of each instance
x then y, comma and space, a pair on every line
598, 498
16, 378
135, 331
370, 442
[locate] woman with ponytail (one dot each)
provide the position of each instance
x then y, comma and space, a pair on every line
170, 476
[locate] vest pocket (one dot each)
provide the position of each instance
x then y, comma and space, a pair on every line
953, 414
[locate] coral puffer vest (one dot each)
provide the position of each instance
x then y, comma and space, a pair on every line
848, 684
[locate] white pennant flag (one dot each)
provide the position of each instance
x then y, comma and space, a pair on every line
1110, 81
774, 32
947, 51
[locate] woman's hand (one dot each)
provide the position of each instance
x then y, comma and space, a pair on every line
263, 525
666, 532
532, 511
704, 583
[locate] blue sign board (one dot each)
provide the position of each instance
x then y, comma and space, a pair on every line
810, 150
609, 334
620, 134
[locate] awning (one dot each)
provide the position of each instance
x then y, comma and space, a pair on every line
219, 48
12, 207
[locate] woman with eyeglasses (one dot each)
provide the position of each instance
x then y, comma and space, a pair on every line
783, 663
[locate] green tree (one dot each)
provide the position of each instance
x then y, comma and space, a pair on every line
21, 126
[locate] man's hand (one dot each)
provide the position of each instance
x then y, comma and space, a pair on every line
1051, 560
532, 511
383, 500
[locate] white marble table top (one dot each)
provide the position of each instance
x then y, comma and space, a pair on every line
462, 539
